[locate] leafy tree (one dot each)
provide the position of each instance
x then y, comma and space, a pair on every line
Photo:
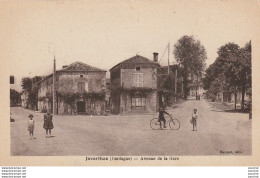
27, 83
33, 98
246, 72
15, 97
230, 72
190, 55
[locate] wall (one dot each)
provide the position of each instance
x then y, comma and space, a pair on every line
68, 82
149, 77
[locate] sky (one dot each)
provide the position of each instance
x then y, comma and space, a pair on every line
104, 33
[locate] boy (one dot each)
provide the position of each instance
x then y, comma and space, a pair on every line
30, 126
194, 120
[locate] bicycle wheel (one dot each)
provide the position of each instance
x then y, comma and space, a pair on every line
174, 124
155, 125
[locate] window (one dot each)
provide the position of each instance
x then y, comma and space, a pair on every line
138, 68
138, 103
11, 79
138, 80
81, 87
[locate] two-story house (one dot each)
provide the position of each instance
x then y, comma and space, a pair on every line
133, 85
79, 89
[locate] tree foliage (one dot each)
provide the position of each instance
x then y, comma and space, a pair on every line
26, 83
190, 55
231, 72
15, 97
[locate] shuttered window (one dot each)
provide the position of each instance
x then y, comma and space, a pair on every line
138, 80
81, 87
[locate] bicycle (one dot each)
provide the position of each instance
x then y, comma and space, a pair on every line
173, 123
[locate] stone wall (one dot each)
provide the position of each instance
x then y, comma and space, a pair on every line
67, 82
149, 77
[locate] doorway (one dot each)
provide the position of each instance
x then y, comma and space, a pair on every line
81, 107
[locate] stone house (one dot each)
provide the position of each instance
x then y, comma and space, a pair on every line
79, 89
24, 99
134, 85
195, 86
226, 97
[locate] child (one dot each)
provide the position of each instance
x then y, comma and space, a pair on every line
31, 126
194, 120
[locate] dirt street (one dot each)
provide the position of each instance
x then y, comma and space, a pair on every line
131, 135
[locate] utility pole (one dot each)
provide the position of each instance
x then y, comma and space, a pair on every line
169, 58
53, 90
52, 50
175, 89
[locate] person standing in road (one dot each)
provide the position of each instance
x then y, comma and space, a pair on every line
194, 119
30, 126
48, 124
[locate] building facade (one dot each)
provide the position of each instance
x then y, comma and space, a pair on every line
79, 89
133, 86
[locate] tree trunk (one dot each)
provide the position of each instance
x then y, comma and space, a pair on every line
243, 98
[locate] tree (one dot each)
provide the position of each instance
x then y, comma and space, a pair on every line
190, 55
231, 72
15, 97
33, 99
27, 84
246, 71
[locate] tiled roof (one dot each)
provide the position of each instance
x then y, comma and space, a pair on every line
76, 66
79, 66
136, 60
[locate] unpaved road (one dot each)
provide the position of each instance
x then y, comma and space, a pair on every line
132, 135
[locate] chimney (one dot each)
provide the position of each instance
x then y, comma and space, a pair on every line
155, 57
65, 66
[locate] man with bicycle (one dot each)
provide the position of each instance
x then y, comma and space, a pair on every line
161, 116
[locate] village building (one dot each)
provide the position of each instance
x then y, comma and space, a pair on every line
227, 97
134, 85
108, 94
24, 99
195, 86
79, 89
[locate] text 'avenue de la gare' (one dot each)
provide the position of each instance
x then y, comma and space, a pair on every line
120, 158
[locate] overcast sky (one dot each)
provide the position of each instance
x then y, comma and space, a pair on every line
103, 33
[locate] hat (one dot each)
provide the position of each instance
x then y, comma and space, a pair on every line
30, 116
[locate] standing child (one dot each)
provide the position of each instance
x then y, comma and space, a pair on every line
31, 126
194, 120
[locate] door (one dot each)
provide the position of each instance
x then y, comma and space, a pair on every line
81, 107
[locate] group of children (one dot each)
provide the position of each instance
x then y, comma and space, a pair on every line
47, 125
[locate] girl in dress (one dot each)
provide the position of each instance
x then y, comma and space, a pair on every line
30, 126
48, 125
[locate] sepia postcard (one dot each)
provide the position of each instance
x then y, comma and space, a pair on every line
130, 83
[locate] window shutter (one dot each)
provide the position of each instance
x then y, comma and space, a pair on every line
86, 86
